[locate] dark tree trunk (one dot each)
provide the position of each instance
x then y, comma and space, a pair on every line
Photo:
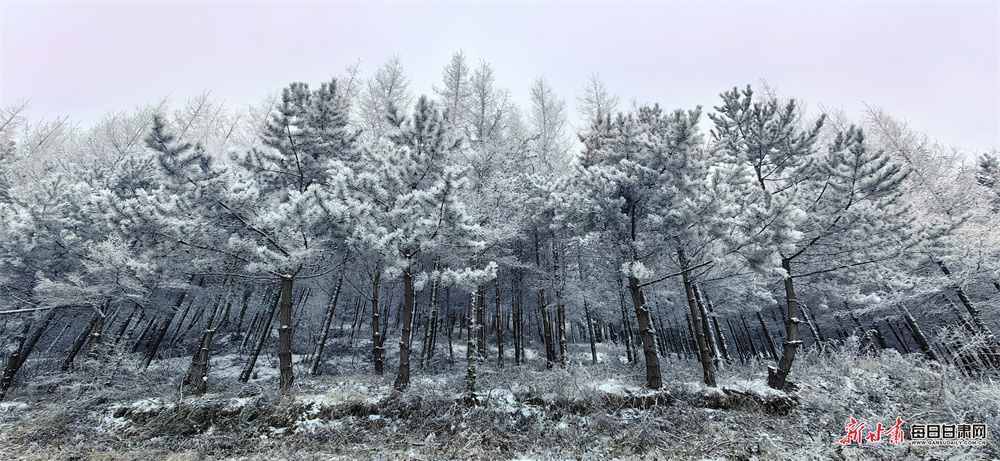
430, 331
243, 311
590, 331
813, 329
162, 332
97, 334
285, 336
481, 322
750, 340
899, 339
918, 335
470, 355
499, 321
403, 373
517, 283
78, 344
767, 336
264, 334
626, 329
377, 330
647, 333
325, 332
698, 324
14, 360
193, 374
977, 319
777, 377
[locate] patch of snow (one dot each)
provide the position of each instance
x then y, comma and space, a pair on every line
11, 406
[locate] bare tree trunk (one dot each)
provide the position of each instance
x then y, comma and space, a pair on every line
706, 326
264, 334
470, 355
813, 329
403, 373
750, 341
767, 336
327, 321
14, 361
869, 342
78, 344
626, 329
158, 339
193, 374
590, 330
93, 347
777, 377
377, 339
243, 311
918, 335
285, 336
499, 321
517, 280
720, 337
481, 322
899, 338
557, 286
977, 319
647, 334
704, 348
199, 365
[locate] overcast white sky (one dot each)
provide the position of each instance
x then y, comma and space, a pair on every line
934, 64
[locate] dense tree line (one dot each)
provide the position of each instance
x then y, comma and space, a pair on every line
460, 213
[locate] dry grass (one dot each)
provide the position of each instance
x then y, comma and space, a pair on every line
581, 411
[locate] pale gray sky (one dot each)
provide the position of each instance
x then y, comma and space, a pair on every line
934, 64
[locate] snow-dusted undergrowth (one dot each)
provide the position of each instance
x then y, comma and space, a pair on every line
527, 412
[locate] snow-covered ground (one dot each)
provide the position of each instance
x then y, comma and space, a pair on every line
525, 412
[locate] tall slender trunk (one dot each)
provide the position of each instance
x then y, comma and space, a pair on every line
704, 348
162, 332
767, 336
97, 334
430, 332
557, 287
590, 331
204, 352
78, 344
777, 377
626, 329
499, 321
719, 336
647, 334
813, 329
706, 326
517, 280
750, 341
14, 361
977, 319
325, 332
14, 364
470, 355
285, 336
403, 373
265, 332
193, 374
481, 322
918, 334
377, 339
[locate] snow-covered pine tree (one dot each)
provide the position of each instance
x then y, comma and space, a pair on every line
409, 209
850, 195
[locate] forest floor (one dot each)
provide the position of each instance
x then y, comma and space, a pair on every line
577, 411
